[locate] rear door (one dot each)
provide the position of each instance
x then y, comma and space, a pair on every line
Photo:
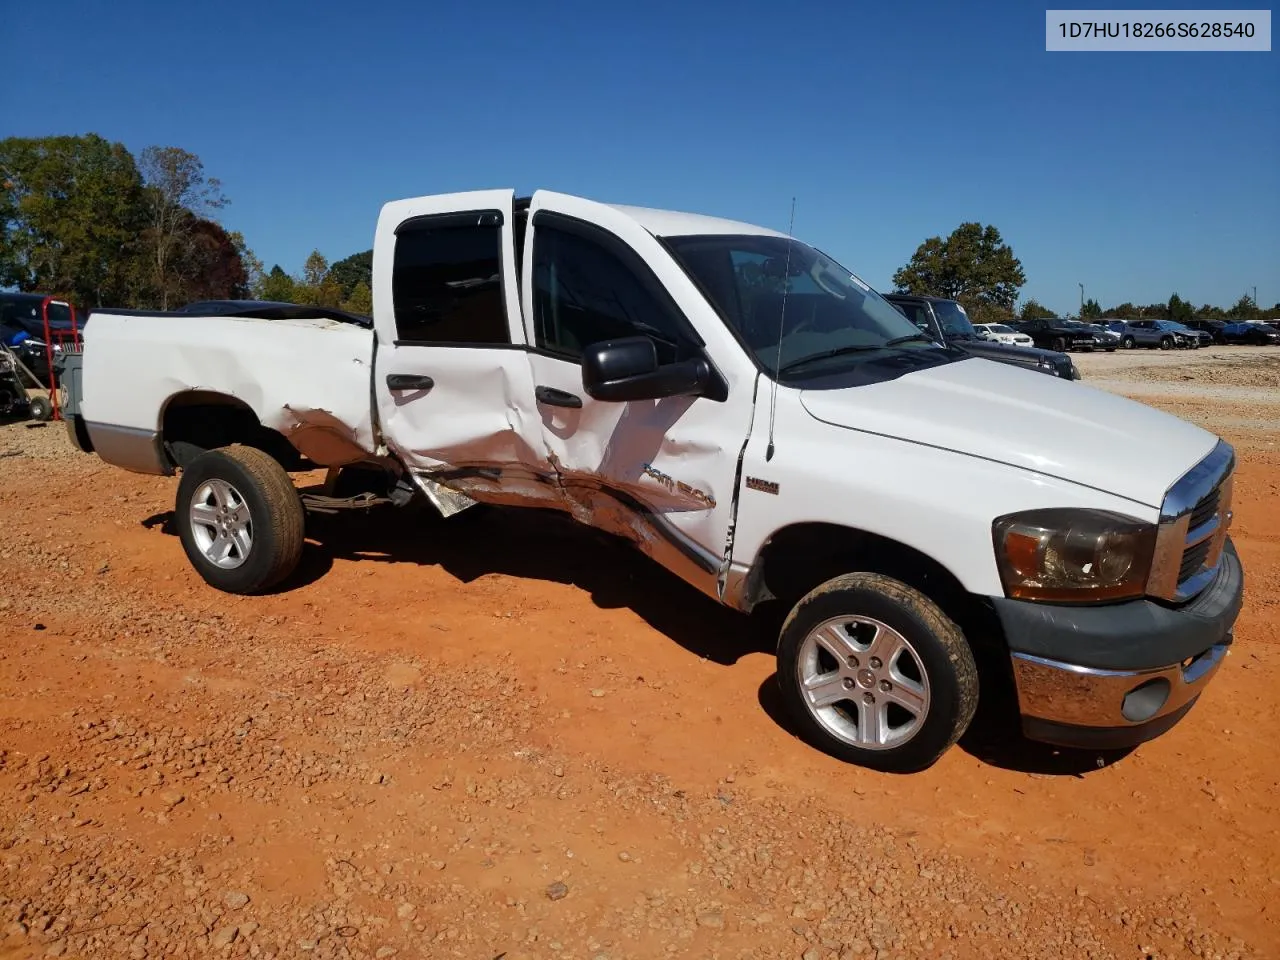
452, 380
661, 473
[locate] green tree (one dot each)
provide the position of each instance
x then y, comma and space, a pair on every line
253, 271
1179, 310
1244, 309
973, 265
1091, 310
1209, 312
353, 270
178, 194
1033, 308
207, 264
279, 286
71, 212
318, 287
360, 301
1121, 311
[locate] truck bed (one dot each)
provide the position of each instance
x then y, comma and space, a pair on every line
305, 377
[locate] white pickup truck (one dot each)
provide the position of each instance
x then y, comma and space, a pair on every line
747, 413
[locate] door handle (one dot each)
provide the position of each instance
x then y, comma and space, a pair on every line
409, 381
557, 398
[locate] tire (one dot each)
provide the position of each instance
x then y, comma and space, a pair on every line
1059, 345
1128, 343
236, 479
40, 408
932, 667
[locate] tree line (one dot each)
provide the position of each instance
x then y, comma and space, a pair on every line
82, 218
976, 267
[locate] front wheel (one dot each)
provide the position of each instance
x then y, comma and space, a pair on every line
1166, 343
875, 674
1128, 343
1059, 345
240, 519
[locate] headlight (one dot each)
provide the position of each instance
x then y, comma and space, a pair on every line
1072, 555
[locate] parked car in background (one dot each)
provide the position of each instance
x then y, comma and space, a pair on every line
34, 326
1212, 327
947, 322
1003, 333
1202, 337
1250, 332
1159, 334
1057, 335
1104, 339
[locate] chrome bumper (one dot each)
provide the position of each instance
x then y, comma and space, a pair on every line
1069, 695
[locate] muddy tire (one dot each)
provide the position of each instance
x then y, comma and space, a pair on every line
874, 673
40, 408
240, 519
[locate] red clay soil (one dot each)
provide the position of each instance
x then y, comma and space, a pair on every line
500, 736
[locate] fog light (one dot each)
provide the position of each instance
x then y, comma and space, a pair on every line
1145, 700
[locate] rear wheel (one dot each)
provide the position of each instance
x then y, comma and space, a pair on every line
240, 519
875, 674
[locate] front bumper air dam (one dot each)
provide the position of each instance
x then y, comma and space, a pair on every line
1110, 677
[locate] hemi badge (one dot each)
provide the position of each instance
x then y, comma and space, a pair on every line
764, 486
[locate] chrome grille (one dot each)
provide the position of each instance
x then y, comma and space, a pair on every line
1193, 528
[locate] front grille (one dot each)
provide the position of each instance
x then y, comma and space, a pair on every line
1189, 542
1203, 511
1193, 559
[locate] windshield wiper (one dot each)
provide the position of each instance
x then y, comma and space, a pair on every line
838, 351
908, 339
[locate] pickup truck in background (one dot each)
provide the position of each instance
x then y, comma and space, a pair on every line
947, 322
750, 415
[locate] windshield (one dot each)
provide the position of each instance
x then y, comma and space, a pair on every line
999, 328
831, 317
955, 322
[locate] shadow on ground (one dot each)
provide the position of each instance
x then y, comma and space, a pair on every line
545, 545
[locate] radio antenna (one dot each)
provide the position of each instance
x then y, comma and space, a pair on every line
782, 318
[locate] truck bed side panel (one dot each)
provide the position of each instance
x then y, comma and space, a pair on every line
308, 379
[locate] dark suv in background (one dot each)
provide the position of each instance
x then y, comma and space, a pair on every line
1051, 333
947, 322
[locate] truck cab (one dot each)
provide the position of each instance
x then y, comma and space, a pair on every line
748, 413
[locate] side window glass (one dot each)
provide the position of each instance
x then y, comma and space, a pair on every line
583, 294
447, 285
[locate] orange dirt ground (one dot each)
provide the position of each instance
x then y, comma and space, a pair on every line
501, 736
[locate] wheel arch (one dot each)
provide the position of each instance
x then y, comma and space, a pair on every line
194, 421
799, 557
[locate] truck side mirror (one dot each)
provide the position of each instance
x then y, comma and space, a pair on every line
627, 369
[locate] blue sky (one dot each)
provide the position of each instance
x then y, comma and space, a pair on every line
1136, 174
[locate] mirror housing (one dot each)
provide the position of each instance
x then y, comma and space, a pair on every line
627, 369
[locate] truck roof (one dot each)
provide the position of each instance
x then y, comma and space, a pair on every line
674, 223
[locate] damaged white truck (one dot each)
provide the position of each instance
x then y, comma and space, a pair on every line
747, 413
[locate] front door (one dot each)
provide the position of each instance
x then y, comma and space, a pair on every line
661, 473
452, 380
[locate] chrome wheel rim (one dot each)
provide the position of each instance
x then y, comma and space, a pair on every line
220, 524
863, 682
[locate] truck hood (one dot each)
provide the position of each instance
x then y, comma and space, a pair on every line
999, 412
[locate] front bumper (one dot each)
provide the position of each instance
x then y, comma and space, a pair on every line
1114, 676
